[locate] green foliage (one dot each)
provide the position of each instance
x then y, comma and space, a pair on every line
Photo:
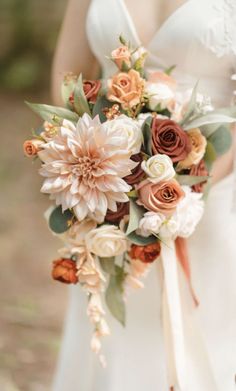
101, 104
53, 114
210, 155
114, 295
169, 70
190, 180
60, 222
141, 240
108, 264
135, 214
147, 135
212, 117
221, 140
81, 105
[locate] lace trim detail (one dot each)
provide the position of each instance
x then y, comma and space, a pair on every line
221, 33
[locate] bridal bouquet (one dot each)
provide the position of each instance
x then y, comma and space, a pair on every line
127, 164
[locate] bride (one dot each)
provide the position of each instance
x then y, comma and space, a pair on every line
199, 37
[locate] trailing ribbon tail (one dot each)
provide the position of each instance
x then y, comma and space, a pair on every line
172, 318
188, 365
183, 258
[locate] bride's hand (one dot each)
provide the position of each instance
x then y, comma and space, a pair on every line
72, 52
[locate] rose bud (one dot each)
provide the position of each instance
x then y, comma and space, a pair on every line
121, 56
137, 173
146, 254
170, 139
65, 270
162, 197
199, 170
116, 217
32, 147
91, 89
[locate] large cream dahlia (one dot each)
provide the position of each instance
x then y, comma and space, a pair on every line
84, 166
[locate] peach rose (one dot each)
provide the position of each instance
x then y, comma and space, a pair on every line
32, 147
199, 143
65, 270
126, 89
121, 56
146, 254
162, 197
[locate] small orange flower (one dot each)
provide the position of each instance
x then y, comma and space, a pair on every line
65, 270
32, 147
146, 254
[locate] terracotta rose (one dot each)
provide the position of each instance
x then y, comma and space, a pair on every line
161, 197
65, 270
91, 89
137, 174
116, 217
147, 253
126, 88
170, 139
199, 170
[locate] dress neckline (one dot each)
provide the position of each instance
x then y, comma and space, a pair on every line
163, 26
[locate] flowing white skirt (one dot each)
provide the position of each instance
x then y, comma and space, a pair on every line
136, 354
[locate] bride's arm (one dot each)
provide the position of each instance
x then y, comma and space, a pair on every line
72, 52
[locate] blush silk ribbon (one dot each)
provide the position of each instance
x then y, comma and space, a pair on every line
185, 350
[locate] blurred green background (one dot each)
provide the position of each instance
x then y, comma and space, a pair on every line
28, 31
32, 305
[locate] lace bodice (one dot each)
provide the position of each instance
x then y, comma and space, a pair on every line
199, 38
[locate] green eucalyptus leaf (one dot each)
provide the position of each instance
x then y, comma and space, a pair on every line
125, 67
147, 135
101, 103
191, 180
60, 222
141, 240
221, 140
81, 105
210, 118
53, 114
136, 212
114, 295
122, 40
191, 105
210, 155
169, 70
107, 264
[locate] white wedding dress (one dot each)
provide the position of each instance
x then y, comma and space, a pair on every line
200, 38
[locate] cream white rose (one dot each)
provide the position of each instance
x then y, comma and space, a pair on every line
106, 241
159, 94
158, 168
150, 223
128, 128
